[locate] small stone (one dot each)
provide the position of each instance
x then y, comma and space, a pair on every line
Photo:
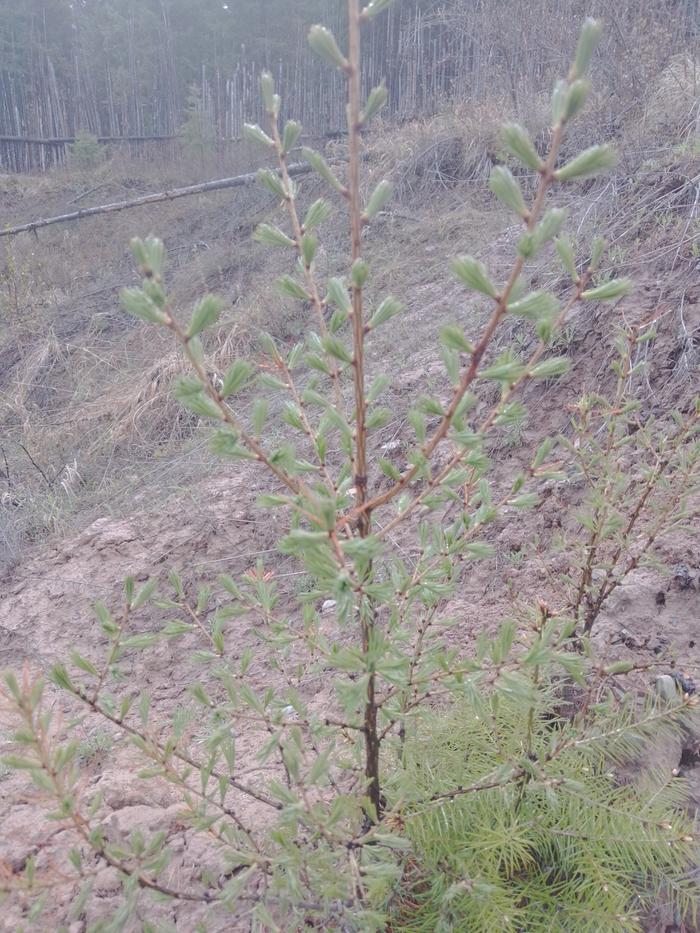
684, 683
628, 639
682, 576
666, 688
328, 605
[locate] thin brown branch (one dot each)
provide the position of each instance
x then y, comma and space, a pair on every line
488, 422
470, 374
364, 519
95, 706
291, 482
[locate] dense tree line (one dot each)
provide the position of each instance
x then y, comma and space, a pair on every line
122, 66
128, 67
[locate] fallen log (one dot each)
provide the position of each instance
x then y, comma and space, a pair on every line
237, 181
54, 141
68, 140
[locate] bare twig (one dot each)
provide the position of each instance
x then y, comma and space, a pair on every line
36, 466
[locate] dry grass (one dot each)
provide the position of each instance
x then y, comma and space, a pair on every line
86, 414
673, 105
83, 389
79, 382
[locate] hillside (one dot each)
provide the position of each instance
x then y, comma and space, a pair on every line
103, 475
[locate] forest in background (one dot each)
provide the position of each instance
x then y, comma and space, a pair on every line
144, 68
